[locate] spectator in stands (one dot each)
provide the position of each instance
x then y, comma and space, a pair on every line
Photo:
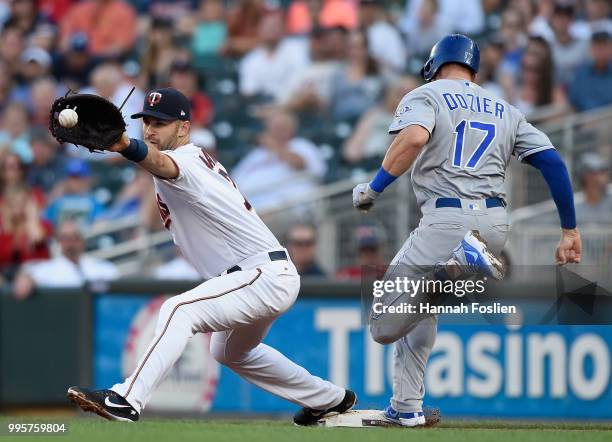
594, 174
54, 9
336, 39
135, 199
385, 44
12, 44
44, 37
14, 135
311, 87
243, 27
302, 247
370, 244
23, 235
598, 18
74, 66
7, 83
282, 168
358, 86
592, 85
110, 26
177, 269
107, 81
568, 52
371, 138
425, 30
465, 16
174, 9
305, 15
35, 64
271, 67
72, 268
536, 86
491, 55
48, 165
210, 33
26, 16
77, 201
43, 93
513, 34
159, 53
185, 78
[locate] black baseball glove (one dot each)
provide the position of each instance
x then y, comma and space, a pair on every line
100, 123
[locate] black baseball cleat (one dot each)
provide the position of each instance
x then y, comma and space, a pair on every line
308, 416
105, 403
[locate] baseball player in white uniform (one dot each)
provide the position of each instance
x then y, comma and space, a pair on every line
458, 138
250, 278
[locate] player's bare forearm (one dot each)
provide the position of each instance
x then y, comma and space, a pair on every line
154, 162
159, 164
404, 149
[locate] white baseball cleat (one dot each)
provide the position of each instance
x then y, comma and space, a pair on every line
473, 255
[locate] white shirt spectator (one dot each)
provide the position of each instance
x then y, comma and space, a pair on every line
262, 72
267, 181
317, 76
386, 46
177, 269
61, 272
464, 16
567, 58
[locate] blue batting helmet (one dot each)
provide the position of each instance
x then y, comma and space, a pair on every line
454, 48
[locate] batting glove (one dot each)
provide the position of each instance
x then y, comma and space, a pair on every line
364, 196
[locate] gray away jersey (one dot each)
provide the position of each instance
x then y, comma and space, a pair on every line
473, 133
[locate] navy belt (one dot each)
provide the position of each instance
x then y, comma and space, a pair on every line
278, 255
456, 202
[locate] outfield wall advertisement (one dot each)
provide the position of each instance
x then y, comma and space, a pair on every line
531, 371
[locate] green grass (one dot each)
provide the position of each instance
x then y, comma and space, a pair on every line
153, 430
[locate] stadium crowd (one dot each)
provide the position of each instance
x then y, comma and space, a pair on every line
296, 93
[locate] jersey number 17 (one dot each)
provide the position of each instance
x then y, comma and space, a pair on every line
474, 159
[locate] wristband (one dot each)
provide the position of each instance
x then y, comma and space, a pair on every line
381, 180
136, 151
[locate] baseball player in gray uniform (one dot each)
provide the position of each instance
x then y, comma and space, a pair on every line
458, 138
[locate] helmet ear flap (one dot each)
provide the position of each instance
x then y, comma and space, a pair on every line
426, 70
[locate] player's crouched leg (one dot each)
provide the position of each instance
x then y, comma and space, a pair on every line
386, 328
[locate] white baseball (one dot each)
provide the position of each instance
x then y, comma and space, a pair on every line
68, 118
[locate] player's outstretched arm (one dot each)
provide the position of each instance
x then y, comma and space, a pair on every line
399, 158
550, 164
147, 157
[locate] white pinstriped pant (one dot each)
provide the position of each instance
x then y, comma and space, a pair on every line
239, 308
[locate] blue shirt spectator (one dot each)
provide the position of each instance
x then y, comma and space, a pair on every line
592, 85
77, 202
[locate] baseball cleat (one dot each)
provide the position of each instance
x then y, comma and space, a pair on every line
105, 403
473, 255
308, 416
413, 419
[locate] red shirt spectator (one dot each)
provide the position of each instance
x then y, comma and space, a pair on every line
328, 14
110, 25
23, 234
185, 78
55, 9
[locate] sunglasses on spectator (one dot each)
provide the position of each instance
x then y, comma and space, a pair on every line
531, 67
69, 237
368, 249
302, 242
